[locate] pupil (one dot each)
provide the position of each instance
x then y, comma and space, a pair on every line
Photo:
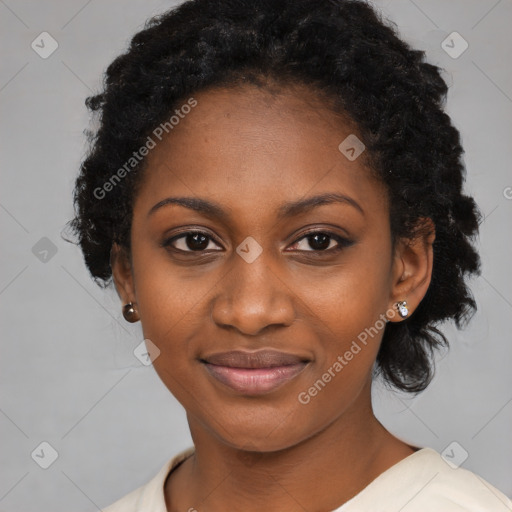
197, 242
322, 244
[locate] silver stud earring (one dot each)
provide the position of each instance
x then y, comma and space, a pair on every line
402, 308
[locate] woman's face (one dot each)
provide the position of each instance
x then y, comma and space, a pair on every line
256, 278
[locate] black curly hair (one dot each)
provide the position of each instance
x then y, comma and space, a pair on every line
341, 49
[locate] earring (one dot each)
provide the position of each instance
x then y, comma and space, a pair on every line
402, 308
130, 313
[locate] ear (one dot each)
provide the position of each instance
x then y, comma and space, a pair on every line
122, 274
412, 268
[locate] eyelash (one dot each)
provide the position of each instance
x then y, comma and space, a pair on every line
342, 242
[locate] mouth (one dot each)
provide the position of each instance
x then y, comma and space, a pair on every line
254, 373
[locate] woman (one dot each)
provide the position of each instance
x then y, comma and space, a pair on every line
276, 193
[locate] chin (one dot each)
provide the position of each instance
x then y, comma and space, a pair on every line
261, 428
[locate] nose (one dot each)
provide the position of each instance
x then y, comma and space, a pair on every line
252, 297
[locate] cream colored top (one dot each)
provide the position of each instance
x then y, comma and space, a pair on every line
422, 482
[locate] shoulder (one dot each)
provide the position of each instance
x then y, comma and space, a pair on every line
465, 489
128, 503
149, 496
425, 481
458, 489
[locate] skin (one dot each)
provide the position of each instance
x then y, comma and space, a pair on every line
250, 151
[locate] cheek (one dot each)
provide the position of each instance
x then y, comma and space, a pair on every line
347, 313
169, 297
345, 356
170, 309
351, 297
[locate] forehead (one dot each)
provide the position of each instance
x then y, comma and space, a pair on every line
252, 149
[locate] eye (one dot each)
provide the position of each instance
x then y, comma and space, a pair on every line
322, 241
191, 241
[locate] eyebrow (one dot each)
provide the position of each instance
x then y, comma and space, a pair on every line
286, 210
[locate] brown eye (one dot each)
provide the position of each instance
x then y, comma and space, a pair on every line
322, 241
319, 241
191, 241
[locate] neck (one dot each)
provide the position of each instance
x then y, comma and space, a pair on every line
321, 472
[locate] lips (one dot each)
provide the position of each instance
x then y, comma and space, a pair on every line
254, 373
260, 359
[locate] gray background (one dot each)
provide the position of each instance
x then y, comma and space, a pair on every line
68, 373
